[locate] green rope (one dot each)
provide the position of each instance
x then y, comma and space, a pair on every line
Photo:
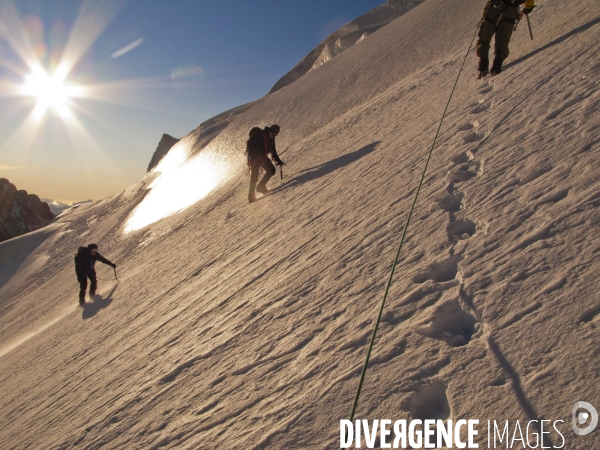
387, 289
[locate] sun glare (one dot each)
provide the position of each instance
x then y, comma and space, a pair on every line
30, 42
180, 182
48, 53
50, 91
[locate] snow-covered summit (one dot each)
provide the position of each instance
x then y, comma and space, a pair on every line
245, 326
344, 38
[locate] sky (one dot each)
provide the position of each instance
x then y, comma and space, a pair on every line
131, 71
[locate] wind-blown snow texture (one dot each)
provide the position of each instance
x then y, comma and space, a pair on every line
245, 326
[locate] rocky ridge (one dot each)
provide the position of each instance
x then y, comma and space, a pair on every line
20, 212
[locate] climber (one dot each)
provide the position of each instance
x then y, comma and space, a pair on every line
85, 259
499, 18
259, 146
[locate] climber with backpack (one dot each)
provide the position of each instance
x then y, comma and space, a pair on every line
85, 259
499, 18
259, 146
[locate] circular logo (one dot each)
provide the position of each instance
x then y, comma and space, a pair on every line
581, 413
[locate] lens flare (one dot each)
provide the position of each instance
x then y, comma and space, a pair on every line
50, 91
25, 37
44, 72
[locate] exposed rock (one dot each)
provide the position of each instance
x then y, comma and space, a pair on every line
20, 212
165, 144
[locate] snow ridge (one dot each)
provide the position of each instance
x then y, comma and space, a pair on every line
347, 36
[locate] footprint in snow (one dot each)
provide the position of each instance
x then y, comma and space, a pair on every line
461, 229
486, 88
473, 137
464, 172
451, 202
450, 323
481, 107
467, 126
444, 270
463, 157
458, 176
429, 402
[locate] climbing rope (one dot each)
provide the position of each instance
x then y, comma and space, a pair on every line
387, 289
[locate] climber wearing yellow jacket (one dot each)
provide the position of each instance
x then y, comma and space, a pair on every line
499, 18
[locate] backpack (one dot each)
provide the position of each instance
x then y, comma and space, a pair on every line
82, 260
255, 147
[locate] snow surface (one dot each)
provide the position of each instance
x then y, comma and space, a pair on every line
344, 38
58, 207
245, 326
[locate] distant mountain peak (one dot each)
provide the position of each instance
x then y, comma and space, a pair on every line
347, 36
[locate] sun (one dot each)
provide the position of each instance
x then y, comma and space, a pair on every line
51, 91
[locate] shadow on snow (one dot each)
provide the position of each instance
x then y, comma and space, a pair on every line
580, 29
326, 168
91, 309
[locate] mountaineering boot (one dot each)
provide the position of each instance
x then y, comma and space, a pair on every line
81, 300
483, 68
92, 294
251, 196
262, 189
496, 65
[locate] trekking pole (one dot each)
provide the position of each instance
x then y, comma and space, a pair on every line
115, 269
529, 25
281, 170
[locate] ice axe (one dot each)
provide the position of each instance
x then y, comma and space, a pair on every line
529, 25
281, 164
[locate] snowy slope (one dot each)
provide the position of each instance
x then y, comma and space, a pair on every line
245, 326
347, 36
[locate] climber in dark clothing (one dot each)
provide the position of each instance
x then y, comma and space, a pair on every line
260, 145
85, 259
499, 18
